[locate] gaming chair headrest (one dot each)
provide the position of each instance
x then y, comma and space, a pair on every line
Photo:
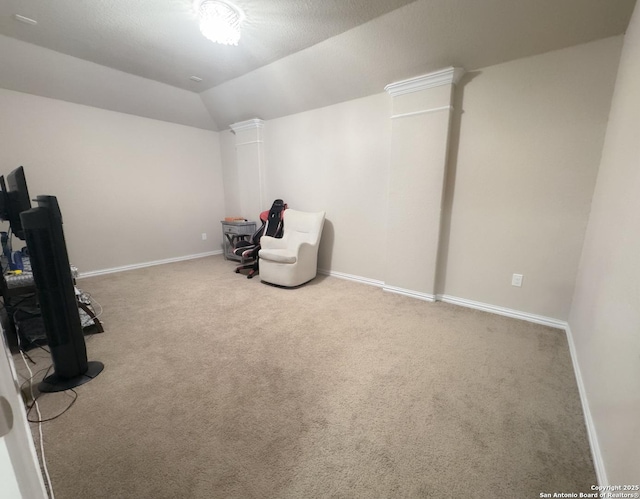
277, 208
274, 221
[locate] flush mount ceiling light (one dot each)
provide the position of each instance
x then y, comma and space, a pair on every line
219, 20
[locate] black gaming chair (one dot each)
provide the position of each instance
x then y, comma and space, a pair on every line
271, 226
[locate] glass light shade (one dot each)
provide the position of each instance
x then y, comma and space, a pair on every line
219, 21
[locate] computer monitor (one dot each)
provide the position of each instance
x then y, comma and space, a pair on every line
4, 214
17, 200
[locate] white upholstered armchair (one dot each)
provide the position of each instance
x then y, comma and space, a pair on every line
293, 259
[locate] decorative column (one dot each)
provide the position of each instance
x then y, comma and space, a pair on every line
250, 164
419, 145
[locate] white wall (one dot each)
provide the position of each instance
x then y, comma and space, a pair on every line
131, 189
525, 150
522, 176
336, 159
605, 316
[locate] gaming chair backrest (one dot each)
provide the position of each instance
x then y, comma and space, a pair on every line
274, 223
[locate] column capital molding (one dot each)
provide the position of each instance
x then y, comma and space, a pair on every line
446, 76
252, 124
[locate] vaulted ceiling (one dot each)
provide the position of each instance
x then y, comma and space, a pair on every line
138, 56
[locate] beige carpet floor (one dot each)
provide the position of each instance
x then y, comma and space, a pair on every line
217, 386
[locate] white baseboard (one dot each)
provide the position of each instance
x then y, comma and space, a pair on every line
507, 312
598, 462
379, 284
148, 264
351, 277
409, 292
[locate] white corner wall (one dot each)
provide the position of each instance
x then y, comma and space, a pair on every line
525, 152
605, 316
132, 190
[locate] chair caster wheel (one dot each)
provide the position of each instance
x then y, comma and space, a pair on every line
237, 271
250, 276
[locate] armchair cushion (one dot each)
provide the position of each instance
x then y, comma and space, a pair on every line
279, 255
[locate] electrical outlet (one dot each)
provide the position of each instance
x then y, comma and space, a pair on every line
204, 236
516, 280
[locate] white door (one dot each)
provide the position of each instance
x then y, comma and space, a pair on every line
20, 476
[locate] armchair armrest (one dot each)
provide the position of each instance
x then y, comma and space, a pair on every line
307, 251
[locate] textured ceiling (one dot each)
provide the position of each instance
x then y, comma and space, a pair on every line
294, 55
160, 39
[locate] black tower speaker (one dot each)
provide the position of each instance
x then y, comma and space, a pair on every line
56, 293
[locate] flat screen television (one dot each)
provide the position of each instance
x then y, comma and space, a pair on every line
18, 200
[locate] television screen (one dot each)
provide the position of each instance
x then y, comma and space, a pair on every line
18, 200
